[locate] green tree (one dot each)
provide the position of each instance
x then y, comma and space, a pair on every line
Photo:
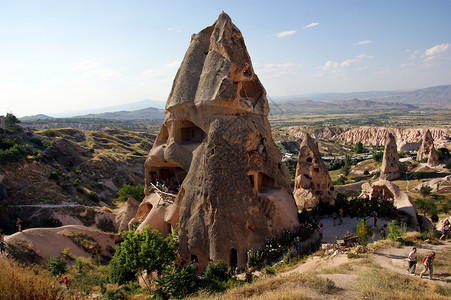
11, 119
57, 265
363, 232
136, 192
146, 251
378, 156
425, 191
359, 148
426, 205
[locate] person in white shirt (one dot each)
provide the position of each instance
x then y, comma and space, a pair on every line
412, 259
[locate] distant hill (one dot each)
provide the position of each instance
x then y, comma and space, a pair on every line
335, 106
36, 117
150, 113
436, 96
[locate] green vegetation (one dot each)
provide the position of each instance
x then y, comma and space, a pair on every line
57, 265
49, 133
378, 156
363, 232
136, 192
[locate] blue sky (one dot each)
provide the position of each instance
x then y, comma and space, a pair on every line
60, 56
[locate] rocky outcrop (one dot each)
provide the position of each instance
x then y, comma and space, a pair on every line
390, 168
377, 136
433, 157
129, 212
386, 190
437, 184
312, 182
227, 187
425, 148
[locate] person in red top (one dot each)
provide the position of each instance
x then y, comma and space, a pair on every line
19, 224
428, 265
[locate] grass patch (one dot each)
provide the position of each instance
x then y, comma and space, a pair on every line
23, 249
84, 241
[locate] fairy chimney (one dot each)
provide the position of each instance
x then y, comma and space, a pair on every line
390, 168
425, 147
216, 153
433, 157
312, 183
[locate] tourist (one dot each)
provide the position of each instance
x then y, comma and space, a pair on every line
66, 282
19, 224
427, 263
412, 259
297, 245
334, 216
320, 231
384, 232
445, 230
340, 216
375, 219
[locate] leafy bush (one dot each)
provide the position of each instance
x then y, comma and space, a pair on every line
15, 153
48, 222
341, 180
217, 271
93, 196
136, 153
67, 255
136, 192
378, 156
146, 251
57, 265
272, 250
54, 175
176, 282
49, 133
363, 232
255, 259
77, 182
11, 119
396, 232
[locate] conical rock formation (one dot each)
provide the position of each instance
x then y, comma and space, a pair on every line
390, 168
433, 157
312, 183
216, 153
425, 147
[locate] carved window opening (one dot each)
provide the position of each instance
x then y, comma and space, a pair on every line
308, 176
167, 179
233, 261
316, 170
192, 134
169, 228
266, 183
309, 159
194, 258
163, 136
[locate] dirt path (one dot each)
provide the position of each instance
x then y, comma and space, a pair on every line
395, 259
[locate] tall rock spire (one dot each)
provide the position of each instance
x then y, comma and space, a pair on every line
216, 144
312, 183
425, 147
390, 168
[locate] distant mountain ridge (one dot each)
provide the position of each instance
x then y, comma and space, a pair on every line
149, 113
438, 96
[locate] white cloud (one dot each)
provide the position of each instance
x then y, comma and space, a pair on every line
347, 63
274, 70
363, 42
86, 65
285, 33
310, 25
173, 29
437, 55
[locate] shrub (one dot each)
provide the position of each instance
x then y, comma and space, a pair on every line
54, 175
136, 192
66, 254
93, 196
77, 182
49, 222
396, 232
378, 156
272, 250
217, 271
49, 133
176, 282
57, 265
418, 175
434, 218
255, 259
136, 153
341, 180
363, 232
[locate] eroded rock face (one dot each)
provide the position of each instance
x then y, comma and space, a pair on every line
386, 190
313, 183
390, 168
425, 147
216, 153
433, 157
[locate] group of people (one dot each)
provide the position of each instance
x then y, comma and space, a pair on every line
427, 262
168, 186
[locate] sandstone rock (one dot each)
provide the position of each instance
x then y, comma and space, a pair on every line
438, 184
384, 189
390, 168
433, 157
130, 209
425, 147
216, 153
312, 183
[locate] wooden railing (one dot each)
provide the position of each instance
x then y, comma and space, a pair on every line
166, 197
